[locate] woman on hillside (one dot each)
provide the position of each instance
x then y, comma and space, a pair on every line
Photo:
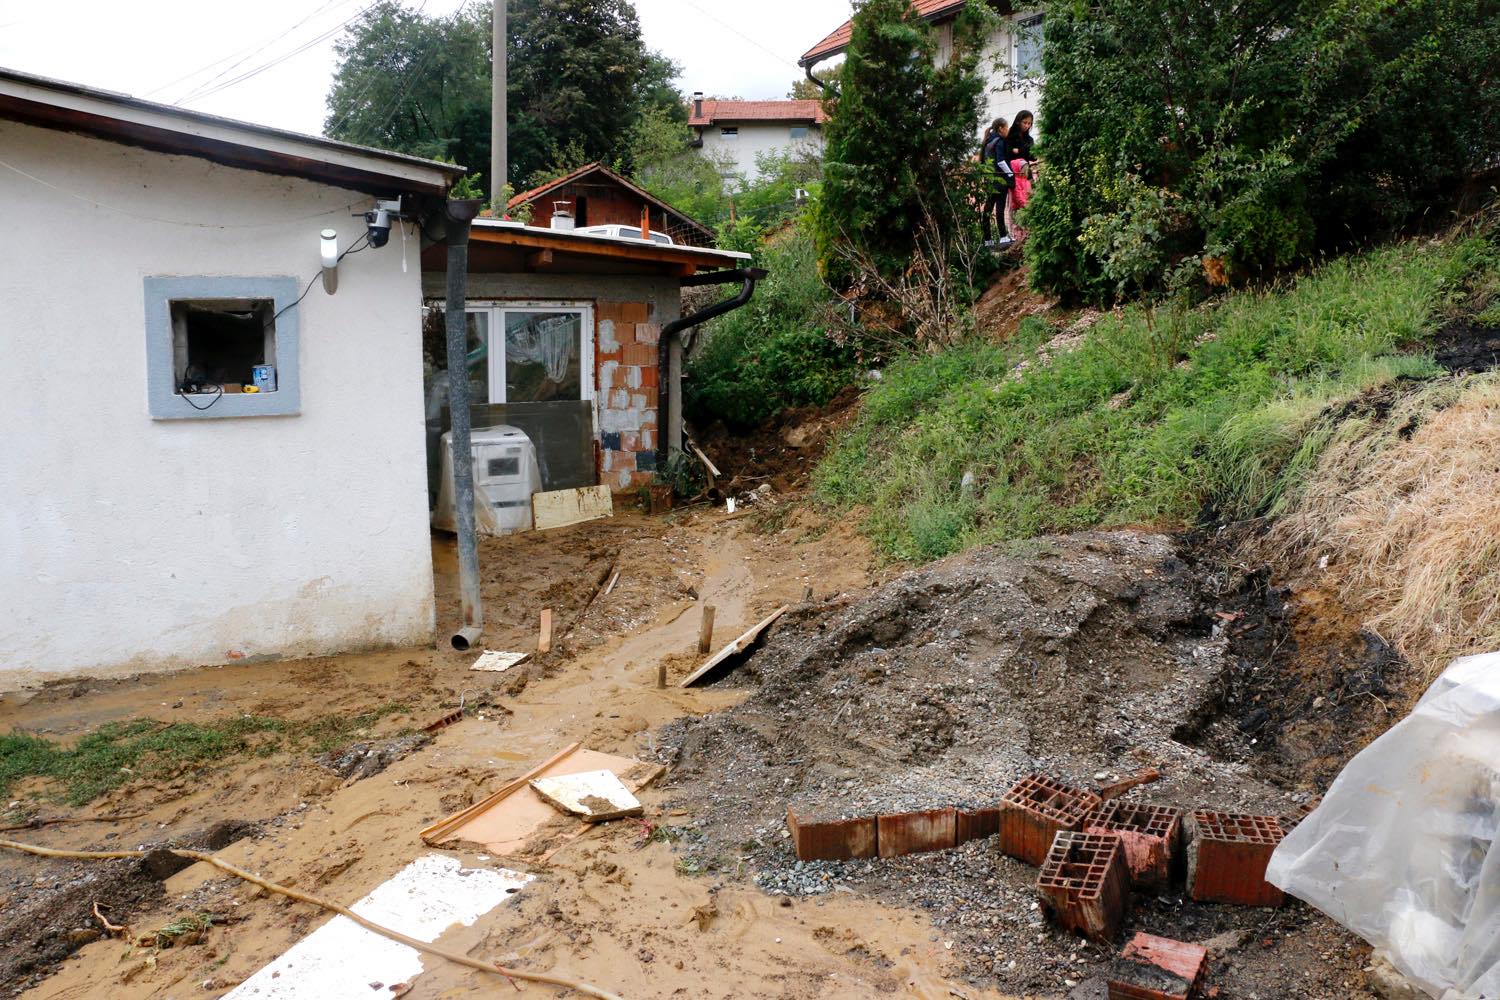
993, 154
1019, 140
1020, 194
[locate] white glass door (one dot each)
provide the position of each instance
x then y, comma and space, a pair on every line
537, 352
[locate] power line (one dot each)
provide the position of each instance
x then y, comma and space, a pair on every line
201, 93
372, 73
248, 51
779, 57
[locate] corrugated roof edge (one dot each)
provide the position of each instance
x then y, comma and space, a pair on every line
122, 100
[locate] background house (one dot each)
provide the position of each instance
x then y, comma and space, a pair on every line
144, 527
567, 342
737, 133
597, 196
1011, 62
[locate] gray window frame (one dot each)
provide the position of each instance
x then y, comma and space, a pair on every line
161, 390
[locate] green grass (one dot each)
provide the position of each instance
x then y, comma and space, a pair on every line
1153, 418
119, 752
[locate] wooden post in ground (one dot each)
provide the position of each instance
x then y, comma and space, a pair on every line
544, 641
706, 630
661, 674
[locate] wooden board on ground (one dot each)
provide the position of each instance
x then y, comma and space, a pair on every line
736, 647
561, 508
596, 796
509, 820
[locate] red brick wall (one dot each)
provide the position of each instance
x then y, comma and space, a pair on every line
628, 382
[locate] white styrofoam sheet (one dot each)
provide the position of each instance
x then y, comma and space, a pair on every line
340, 960
594, 795
497, 661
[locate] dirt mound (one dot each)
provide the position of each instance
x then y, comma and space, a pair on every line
782, 452
1085, 657
1007, 301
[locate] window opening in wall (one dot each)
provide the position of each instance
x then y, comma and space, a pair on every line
223, 345
543, 355
1029, 48
799, 132
730, 133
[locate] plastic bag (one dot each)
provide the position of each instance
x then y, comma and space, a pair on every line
1401, 850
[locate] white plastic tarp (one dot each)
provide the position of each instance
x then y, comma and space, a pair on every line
1401, 850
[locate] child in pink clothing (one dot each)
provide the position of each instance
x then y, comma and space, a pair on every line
1019, 195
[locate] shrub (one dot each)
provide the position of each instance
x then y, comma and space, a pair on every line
1185, 144
781, 350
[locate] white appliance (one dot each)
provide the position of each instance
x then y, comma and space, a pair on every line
506, 474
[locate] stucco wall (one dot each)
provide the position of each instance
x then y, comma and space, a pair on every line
755, 140
128, 543
1005, 95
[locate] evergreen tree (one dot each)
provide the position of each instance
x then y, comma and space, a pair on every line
900, 137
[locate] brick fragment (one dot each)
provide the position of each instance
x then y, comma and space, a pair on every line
1228, 856
915, 832
836, 840
1035, 810
976, 824
1157, 968
1084, 884
1151, 836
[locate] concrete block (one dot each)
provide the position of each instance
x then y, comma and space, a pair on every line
1228, 856
1157, 968
915, 832
1035, 810
832, 840
1151, 835
1084, 884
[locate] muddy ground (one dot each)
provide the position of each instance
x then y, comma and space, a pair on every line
1087, 656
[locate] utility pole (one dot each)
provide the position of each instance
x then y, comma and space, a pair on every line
499, 117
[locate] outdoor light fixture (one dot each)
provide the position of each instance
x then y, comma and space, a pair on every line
328, 247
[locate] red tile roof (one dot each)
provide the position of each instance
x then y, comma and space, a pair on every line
933, 10
760, 111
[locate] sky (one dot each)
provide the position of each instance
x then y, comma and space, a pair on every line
195, 52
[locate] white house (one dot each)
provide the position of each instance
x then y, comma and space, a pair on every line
148, 519
1011, 61
738, 134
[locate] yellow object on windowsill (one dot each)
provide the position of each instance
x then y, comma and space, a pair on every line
251, 388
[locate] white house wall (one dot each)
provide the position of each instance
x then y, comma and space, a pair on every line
756, 140
132, 544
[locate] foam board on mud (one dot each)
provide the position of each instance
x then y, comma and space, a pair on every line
561, 508
340, 960
595, 795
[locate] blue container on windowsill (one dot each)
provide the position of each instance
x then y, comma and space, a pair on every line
264, 377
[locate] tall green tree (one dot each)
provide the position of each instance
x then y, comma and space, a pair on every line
902, 130
579, 80
1213, 142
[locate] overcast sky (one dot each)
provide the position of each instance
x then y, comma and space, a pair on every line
179, 50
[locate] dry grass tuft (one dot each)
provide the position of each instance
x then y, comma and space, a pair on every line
1405, 509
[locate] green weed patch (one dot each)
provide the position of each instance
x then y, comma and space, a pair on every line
119, 752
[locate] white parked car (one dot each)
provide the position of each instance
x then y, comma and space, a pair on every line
625, 232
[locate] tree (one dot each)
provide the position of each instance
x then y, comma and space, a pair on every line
1209, 143
579, 79
804, 89
900, 137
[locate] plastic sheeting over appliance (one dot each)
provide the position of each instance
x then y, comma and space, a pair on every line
1402, 849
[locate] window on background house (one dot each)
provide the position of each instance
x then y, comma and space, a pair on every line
1029, 39
729, 133
223, 343
799, 132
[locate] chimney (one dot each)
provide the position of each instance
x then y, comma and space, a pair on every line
562, 215
698, 104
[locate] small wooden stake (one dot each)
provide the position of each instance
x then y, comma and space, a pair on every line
706, 630
661, 674
544, 641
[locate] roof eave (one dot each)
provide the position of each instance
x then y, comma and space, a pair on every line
56, 104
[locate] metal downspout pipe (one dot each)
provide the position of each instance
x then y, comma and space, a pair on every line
457, 226
748, 276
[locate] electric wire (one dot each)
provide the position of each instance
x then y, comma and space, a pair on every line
778, 56
245, 53
372, 74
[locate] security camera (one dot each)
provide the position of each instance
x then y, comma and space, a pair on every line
378, 222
